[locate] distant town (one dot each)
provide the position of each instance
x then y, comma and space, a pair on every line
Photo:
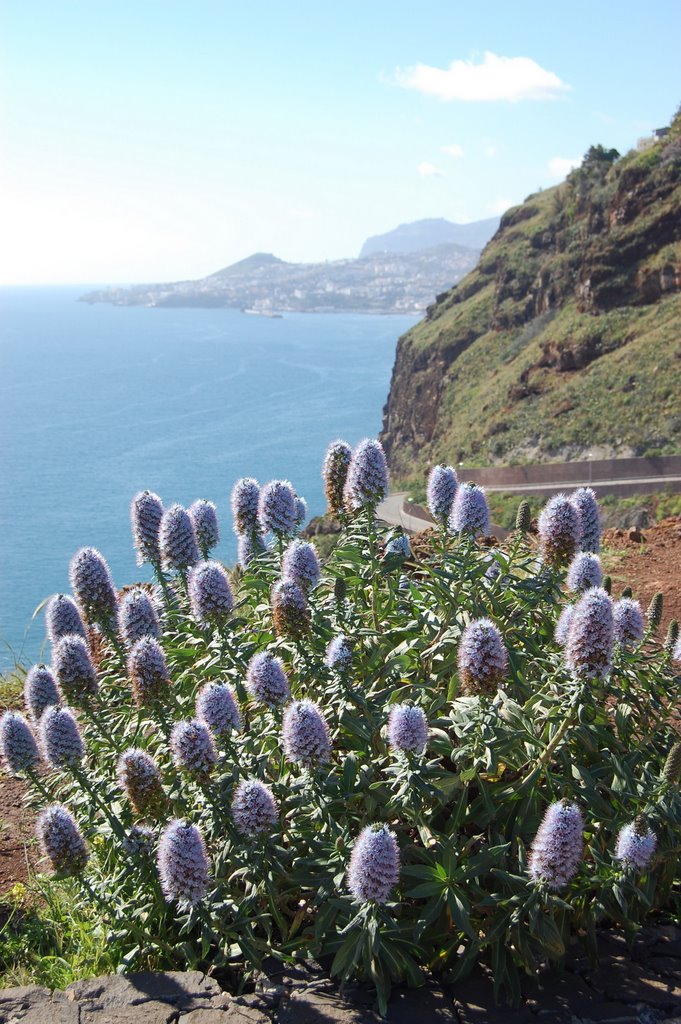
384, 279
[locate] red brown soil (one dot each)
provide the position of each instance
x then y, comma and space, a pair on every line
17, 831
648, 561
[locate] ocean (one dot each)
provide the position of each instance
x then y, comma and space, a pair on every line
99, 402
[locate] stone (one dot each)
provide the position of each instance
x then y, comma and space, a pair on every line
150, 1012
23, 995
606, 1012
315, 1006
421, 1004
33, 1004
234, 1013
664, 940
669, 966
47, 1013
187, 990
471, 1012
562, 996
268, 992
274, 972
473, 1001
612, 943
629, 982
252, 1000
212, 1016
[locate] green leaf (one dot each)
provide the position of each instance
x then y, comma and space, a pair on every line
347, 956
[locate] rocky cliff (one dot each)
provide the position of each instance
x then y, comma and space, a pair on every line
566, 338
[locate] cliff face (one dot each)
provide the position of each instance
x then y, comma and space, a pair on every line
565, 339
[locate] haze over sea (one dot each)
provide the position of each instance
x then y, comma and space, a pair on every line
99, 402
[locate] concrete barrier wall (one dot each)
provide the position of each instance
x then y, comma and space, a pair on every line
553, 474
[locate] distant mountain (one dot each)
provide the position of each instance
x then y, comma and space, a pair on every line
424, 234
259, 262
262, 283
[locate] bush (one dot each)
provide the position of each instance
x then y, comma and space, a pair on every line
265, 820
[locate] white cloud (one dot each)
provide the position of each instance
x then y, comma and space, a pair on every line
560, 166
454, 150
494, 78
428, 170
490, 151
500, 205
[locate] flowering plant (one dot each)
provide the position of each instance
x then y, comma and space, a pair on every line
405, 772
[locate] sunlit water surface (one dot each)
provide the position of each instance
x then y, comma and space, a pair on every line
98, 402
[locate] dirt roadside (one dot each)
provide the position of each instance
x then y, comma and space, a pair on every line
648, 561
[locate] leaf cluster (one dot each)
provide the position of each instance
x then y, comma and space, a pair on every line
464, 813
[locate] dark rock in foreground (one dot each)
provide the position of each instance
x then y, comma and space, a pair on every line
641, 985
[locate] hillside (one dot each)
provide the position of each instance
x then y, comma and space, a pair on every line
565, 340
424, 234
383, 283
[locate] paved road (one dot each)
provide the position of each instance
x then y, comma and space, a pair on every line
391, 511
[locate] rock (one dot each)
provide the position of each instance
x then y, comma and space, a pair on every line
48, 1013
255, 1001
231, 1014
630, 982
33, 1004
474, 1004
150, 1012
606, 1012
22, 996
668, 966
204, 1016
635, 535
561, 994
307, 972
187, 990
269, 993
315, 1006
669, 933
421, 1004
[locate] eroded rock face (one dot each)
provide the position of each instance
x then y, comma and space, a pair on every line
418, 379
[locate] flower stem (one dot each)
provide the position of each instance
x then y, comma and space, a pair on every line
372, 559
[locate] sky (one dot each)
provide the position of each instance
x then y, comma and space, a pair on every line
154, 140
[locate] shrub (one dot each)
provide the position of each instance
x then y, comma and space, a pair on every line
399, 810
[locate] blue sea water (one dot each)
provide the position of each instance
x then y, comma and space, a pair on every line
98, 402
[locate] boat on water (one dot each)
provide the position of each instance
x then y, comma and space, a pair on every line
263, 312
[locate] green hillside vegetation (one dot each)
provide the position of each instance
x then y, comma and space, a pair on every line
567, 335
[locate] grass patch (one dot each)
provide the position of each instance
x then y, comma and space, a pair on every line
11, 689
50, 936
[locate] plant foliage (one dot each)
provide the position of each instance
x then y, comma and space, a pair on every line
464, 811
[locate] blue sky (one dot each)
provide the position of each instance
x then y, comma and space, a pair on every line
157, 139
